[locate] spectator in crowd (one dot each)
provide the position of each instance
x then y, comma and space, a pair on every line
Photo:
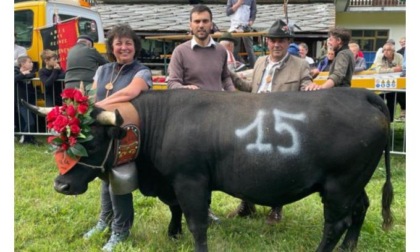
342, 68
24, 90
303, 51
242, 16
360, 62
402, 44
325, 64
229, 42
200, 63
401, 96
278, 72
82, 61
293, 49
19, 51
390, 62
380, 53
49, 74
118, 81
324, 50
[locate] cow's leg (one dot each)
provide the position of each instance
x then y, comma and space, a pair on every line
358, 216
337, 219
175, 226
192, 195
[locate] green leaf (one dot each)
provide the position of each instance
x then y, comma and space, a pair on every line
57, 141
78, 150
85, 139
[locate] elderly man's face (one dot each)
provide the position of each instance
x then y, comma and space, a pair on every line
388, 52
278, 47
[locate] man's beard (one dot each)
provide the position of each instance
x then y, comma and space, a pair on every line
202, 37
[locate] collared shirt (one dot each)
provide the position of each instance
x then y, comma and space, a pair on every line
266, 82
194, 43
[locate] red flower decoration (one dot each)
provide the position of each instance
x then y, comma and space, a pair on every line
71, 123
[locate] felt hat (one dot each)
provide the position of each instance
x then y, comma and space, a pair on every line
279, 30
227, 36
87, 37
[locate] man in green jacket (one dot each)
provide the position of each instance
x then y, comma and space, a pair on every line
82, 61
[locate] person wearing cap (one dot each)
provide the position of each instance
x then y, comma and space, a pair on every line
277, 72
82, 62
229, 42
342, 67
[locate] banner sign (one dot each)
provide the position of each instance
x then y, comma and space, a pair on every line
60, 38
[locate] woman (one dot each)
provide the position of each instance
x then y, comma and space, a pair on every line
360, 62
49, 75
118, 81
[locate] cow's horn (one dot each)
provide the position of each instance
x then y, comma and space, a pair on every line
43, 111
107, 118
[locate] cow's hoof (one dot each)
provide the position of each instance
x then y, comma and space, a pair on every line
274, 216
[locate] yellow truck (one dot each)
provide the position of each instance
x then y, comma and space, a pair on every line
30, 16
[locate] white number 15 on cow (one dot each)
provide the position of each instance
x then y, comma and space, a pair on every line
280, 126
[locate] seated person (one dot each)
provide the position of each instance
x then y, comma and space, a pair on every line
324, 64
360, 62
229, 43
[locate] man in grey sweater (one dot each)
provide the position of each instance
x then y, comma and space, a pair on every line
200, 63
82, 61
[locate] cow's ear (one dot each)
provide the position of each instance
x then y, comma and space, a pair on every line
118, 118
116, 132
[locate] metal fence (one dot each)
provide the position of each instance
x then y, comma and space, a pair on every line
398, 137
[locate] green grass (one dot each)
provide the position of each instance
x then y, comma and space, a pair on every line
48, 221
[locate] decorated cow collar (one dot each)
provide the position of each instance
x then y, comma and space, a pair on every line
127, 148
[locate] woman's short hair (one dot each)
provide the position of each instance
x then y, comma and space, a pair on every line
122, 31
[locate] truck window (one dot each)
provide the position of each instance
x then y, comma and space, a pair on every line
86, 26
24, 27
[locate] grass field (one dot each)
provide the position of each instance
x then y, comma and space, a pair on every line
48, 221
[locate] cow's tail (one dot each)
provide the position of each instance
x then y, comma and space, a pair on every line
387, 192
387, 189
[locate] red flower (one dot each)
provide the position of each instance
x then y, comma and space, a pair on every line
72, 141
75, 129
60, 123
68, 93
71, 111
82, 108
80, 98
52, 115
74, 121
65, 146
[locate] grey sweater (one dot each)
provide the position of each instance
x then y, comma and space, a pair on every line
205, 67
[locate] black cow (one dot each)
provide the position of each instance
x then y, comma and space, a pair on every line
271, 149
